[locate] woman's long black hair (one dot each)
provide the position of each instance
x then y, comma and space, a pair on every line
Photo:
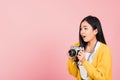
95, 23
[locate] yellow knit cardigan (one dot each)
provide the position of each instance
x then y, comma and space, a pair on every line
99, 69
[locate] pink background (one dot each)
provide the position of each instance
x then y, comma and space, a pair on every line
35, 36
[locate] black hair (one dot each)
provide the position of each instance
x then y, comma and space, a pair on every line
96, 24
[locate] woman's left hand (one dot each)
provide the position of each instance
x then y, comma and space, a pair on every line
81, 55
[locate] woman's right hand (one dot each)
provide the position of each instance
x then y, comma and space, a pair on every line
69, 57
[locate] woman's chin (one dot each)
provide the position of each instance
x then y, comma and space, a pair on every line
85, 40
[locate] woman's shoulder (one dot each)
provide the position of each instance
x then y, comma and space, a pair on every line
76, 44
105, 50
104, 46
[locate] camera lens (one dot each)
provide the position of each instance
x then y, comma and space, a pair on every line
72, 52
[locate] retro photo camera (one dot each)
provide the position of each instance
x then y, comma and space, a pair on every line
74, 50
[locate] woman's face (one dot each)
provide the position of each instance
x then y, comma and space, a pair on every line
87, 32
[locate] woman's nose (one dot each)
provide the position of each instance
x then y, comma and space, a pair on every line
82, 32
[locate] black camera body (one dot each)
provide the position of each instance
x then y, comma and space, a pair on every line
74, 50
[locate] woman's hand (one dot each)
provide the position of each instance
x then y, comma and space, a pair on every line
81, 55
69, 57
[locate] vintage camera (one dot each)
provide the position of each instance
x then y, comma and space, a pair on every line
74, 50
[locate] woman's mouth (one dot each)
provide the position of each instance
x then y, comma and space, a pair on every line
83, 36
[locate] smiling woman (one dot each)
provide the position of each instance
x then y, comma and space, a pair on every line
94, 60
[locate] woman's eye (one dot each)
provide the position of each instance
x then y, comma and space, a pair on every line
80, 29
85, 28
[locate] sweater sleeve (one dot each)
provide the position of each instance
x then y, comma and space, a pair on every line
72, 67
103, 69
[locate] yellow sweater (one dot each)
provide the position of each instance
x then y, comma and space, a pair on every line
99, 69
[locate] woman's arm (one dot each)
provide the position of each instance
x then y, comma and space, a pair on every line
72, 67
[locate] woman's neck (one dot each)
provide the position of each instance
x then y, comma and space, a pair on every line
90, 45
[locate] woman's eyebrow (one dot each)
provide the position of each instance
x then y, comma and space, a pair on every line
84, 26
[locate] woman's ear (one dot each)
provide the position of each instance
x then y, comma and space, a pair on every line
95, 31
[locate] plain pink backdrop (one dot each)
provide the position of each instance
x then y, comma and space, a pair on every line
35, 36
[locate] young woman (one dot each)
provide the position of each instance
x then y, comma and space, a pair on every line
94, 60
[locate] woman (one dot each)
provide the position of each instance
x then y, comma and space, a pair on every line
94, 59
